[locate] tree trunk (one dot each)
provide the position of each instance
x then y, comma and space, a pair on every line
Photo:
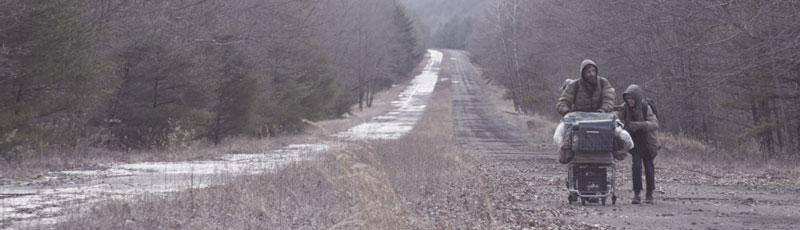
360, 99
784, 121
518, 95
371, 94
18, 97
217, 135
775, 117
155, 92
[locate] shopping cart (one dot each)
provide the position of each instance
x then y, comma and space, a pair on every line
592, 172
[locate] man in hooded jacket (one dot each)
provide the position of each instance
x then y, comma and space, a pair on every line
590, 93
641, 123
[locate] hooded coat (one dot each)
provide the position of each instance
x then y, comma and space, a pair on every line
641, 126
584, 96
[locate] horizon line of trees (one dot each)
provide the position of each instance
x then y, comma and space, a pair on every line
132, 74
724, 72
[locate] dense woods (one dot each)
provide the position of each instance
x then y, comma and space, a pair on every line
725, 72
128, 74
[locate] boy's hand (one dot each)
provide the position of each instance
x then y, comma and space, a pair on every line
633, 126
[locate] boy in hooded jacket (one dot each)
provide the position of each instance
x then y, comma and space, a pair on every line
641, 123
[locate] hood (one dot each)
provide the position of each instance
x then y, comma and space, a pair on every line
586, 63
636, 92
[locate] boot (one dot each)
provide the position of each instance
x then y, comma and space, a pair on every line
637, 199
648, 197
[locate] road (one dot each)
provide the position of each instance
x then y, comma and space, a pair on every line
529, 186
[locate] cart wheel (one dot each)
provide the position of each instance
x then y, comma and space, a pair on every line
603, 201
614, 199
583, 201
572, 197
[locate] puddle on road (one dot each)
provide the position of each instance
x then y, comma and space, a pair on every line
409, 107
45, 201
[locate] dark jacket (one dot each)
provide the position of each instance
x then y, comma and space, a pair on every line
642, 127
589, 97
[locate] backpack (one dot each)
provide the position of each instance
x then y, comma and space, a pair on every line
652, 104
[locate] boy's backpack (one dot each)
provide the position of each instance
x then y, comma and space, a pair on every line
652, 104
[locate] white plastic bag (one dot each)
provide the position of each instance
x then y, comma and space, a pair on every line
627, 141
558, 136
562, 143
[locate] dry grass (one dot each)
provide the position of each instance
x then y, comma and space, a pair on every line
433, 176
307, 195
685, 151
343, 189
